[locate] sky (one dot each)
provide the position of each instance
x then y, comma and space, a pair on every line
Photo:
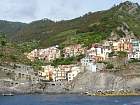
31, 10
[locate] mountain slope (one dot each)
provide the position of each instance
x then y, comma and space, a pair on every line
93, 27
10, 28
45, 29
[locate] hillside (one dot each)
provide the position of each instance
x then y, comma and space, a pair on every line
119, 21
46, 30
10, 28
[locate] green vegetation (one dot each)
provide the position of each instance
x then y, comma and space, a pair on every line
61, 37
87, 29
88, 39
28, 46
134, 61
3, 43
109, 66
67, 61
10, 28
37, 64
11, 52
111, 54
122, 54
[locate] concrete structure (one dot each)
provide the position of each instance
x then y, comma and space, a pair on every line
6, 82
21, 73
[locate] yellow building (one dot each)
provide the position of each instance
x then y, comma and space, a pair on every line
48, 72
122, 46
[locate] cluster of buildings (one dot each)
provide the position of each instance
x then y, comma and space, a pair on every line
52, 53
73, 50
135, 53
48, 54
96, 54
60, 73
101, 52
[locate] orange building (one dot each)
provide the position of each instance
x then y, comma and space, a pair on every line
127, 47
122, 45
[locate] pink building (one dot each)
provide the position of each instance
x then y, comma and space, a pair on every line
48, 54
73, 50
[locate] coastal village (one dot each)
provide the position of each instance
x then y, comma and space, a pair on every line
93, 60
92, 56
99, 58
70, 52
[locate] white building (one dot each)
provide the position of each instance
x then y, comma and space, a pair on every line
92, 67
61, 72
85, 61
73, 72
89, 63
136, 45
134, 55
98, 52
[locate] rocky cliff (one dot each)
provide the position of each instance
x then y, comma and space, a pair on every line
104, 81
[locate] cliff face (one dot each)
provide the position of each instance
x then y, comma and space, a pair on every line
85, 81
104, 81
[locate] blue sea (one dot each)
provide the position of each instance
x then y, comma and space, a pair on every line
67, 100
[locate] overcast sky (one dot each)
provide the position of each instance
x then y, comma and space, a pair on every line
30, 10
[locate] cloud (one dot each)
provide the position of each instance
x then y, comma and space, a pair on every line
18, 10
29, 10
60, 9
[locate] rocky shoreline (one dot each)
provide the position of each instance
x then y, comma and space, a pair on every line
72, 93
85, 82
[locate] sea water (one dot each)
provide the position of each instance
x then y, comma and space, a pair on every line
68, 100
